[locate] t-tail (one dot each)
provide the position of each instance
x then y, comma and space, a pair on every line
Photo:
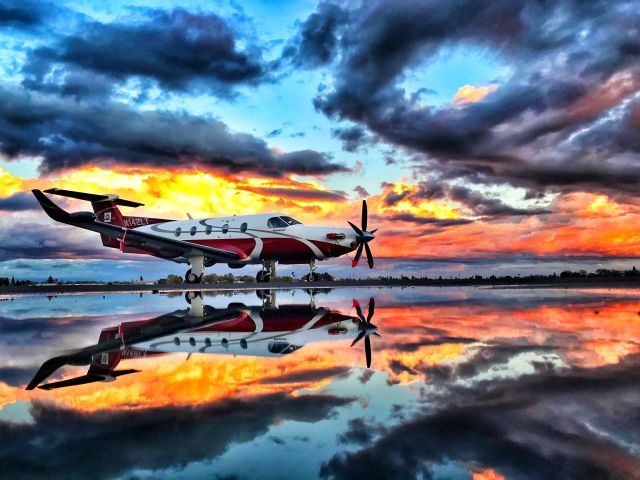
107, 211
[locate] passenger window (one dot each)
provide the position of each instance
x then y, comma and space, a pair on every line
178, 231
243, 227
209, 229
193, 231
192, 342
291, 221
176, 341
277, 222
225, 228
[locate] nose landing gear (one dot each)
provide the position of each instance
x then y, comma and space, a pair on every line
312, 276
268, 271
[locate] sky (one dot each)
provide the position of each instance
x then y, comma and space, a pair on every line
487, 137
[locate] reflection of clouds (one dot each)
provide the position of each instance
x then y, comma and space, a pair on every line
63, 443
544, 426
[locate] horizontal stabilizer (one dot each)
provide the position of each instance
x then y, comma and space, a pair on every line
83, 380
94, 198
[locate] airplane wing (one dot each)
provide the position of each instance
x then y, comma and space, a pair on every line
155, 245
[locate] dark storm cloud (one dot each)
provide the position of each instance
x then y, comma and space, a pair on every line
70, 134
517, 427
19, 202
35, 240
472, 199
98, 445
436, 222
353, 138
23, 13
359, 432
177, 49
572, 62
300, 193
317, 39
307, 376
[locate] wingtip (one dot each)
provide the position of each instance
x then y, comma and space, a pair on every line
356, 303
354, 263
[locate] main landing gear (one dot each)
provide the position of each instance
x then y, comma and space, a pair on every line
195, 273
268, 271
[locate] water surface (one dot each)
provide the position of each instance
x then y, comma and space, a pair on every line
464, 383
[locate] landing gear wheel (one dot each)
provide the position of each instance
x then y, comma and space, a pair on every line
312, 277
188, 296
263, 276
192, 277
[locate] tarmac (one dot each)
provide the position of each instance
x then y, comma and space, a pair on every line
103, 288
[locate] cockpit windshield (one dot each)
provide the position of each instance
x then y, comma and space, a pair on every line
291, 221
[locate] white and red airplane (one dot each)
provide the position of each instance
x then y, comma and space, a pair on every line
237, 240
235, 330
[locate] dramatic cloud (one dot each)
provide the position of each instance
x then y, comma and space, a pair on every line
299, 193
477, 203
70, 439
70, 134
177, 49
23, 13
317, 40
353, 138
19, 202
562, 120
517, 427
35, 240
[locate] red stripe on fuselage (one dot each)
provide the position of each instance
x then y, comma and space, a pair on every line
242, 323
241, 246
330, 249
285, 249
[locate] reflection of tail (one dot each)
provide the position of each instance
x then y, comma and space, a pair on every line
88, 378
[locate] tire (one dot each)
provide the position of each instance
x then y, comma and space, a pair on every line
192, 278
312, 277
260, 276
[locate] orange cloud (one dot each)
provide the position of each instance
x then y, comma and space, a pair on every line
9, 184
488, 474
471, 94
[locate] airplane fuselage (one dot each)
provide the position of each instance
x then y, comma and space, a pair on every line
255, 238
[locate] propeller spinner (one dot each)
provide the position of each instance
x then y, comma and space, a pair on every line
366, 328
363, 237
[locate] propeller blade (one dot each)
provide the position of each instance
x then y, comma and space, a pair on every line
359, 337
364, 215
372, 306
359, 312
357, 229
367, 350
376, 334
369, 255
356, 259
373, 231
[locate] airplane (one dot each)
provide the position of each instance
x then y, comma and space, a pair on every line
236, 240
236, 330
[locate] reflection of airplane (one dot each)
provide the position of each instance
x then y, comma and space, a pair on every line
236, 240
236, 330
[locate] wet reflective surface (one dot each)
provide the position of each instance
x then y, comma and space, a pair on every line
464, 384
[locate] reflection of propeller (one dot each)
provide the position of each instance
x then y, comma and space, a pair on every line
366, 328
363, 237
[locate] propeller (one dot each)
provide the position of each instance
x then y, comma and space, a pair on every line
363, 237
365, 328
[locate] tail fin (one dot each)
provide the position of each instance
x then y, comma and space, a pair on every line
105, 206
107, 211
